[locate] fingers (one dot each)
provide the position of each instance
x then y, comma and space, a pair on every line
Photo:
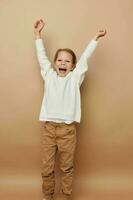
102, 32
41, 20
38, 22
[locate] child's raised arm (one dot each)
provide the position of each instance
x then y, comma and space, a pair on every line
41, 53
82, 65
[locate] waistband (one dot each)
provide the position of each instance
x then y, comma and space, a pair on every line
59, 123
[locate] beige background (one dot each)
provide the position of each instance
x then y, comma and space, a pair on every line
104, 155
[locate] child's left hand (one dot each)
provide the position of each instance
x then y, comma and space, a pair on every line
101, 33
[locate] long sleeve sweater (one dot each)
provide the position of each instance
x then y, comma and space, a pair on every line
62, 100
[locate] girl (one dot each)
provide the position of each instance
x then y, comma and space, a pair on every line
60, 110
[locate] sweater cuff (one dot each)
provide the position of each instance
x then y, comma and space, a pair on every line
94, 41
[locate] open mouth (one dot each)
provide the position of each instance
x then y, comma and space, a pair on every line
62, 69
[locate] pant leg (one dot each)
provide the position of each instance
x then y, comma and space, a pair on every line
66, 142
49, 149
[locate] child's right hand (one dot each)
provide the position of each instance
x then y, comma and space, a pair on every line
39, 24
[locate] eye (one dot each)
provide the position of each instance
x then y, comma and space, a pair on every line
67, 61
59, 60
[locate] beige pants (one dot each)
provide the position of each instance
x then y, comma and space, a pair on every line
59, 137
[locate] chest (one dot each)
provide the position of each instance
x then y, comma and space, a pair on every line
58, 86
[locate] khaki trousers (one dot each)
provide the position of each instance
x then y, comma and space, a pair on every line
61, 138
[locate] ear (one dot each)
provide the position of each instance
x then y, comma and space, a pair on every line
73, 67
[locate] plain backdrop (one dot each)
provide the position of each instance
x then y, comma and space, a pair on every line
104, 154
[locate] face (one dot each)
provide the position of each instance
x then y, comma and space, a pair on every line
64, 63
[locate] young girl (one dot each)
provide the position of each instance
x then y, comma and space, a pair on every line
60, 110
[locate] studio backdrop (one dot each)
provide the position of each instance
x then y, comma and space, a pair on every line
104, 153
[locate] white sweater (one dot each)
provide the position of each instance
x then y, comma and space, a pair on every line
62, 101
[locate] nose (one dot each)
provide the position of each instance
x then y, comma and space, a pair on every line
63, 63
